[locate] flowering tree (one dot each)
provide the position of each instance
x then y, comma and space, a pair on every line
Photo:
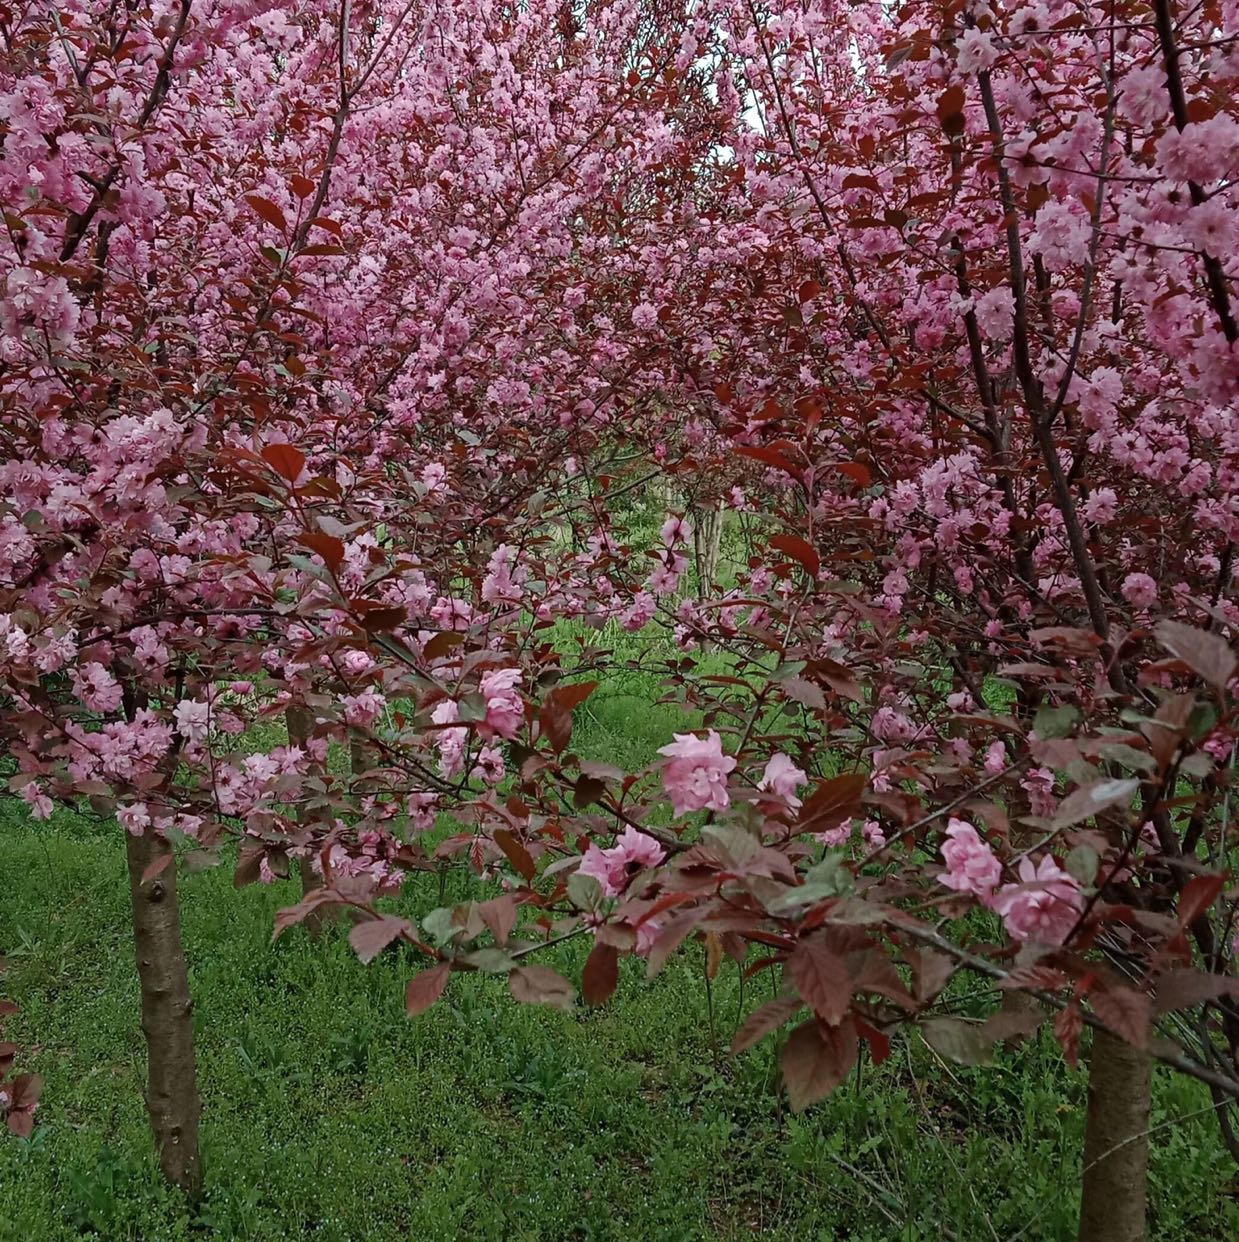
334, 338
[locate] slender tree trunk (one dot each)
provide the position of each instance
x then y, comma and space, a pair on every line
1116, 1145
167, 1013
359, 759
300, 724
707, 541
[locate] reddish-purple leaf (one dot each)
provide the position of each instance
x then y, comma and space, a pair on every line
962, 1042
285, 460
425, 988
764, 1019
268, 210
158, 867
1207, 654
832, 802
499, 915
1199, 893
816, 1059
1090, 800
1184, 989
821, 977
800, 550
540, 985
1067, 1027
370, 938
601, 974
1125, 1011
517, 854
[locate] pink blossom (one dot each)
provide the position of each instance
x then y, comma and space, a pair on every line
614, 868
1039, 785
192, 719
975, 51
971, 866
995, 758
1043, 907
644, 606
647, 934
451, 741
696, 776
839, 835
782, 778
1143, 98
134, 818
97, 688
1140, 590
872, 834
675, 530
1061, 235
995, 311
39, 803
363, 709
644, 316
489, 765
505, 713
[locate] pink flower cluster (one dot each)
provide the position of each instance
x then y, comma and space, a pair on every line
614, 868
1043, 907
696, 776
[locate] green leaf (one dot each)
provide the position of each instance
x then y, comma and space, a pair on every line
1051, 722
958, 1041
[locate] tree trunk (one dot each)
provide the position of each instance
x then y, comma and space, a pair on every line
300, 724
167, 1013
707, 541
1116, 1145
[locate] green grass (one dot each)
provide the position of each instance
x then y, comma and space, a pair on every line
331, 1116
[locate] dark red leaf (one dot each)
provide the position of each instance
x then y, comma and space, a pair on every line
156, 868
370, 938
499, 915
438, 646
268, 210
1184, 989
821, 977
517, 854
601, 974
285, 460
799, 550
1125, 1011
328, 547
764, 1019
540, 985
1205, 653
425, 988
1199, 893
1067, 1027
816, 1059
832, 802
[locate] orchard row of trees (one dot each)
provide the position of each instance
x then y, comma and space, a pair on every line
335, 334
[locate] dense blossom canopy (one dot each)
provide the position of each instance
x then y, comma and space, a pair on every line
335, 339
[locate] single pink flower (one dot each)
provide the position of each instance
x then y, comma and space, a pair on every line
1140, 590
614, 868
696, 776
505, 713
1043, 907
971, 866
782, 778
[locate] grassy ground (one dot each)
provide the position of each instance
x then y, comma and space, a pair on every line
330, 1116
